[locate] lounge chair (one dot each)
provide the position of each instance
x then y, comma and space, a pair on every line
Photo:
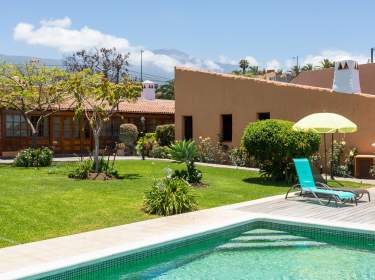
358, 192
308, 187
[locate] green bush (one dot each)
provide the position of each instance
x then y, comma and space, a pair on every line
169, 197
128, 134
274, 144
34, 157
159, 151
146, 143
187, 152
81, 170
195, 176
165, 134
240, 157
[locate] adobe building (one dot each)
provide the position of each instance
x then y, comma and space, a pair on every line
65, 135
215, 104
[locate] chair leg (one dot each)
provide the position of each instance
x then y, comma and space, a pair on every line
291, 188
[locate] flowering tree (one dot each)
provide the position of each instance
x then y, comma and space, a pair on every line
33, 90
97, 99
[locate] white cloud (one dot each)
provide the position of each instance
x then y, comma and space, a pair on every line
273, 65
251, 60
334, 55
57, 34
225, 60
62, 22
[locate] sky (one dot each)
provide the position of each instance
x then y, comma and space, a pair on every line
212, 33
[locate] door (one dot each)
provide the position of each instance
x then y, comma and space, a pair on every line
67, 135
188, 127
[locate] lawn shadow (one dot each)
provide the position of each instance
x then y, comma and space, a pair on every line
130, 176
264, 182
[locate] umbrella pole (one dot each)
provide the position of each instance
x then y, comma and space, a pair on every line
332, 157
325, 155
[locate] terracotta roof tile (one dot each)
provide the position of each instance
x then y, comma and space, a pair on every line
157, 106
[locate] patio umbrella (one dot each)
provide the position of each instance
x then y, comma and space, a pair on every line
324, 123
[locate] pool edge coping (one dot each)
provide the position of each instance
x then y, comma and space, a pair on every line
115, 251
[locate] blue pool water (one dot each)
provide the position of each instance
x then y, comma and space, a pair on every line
250, 253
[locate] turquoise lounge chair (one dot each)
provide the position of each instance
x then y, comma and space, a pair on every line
310, 188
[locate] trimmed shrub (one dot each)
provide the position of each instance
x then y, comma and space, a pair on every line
169, 197
159, 151
165, 134
146, 143
128, 134
34, 157
274, 144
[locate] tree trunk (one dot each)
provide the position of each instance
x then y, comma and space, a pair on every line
34, 135
96, 150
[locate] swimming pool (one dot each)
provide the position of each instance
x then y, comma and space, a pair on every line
254, 250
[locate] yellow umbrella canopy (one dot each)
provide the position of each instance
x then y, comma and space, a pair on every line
326, 123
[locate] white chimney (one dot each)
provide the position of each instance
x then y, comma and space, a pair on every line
346, 77
148, 90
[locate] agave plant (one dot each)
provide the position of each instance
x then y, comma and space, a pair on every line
187, 152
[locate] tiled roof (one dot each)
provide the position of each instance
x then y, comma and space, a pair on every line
324, 78
157, 106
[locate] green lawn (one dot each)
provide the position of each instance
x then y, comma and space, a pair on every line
43, 203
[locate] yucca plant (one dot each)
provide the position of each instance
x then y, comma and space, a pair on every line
169, 196
186, 152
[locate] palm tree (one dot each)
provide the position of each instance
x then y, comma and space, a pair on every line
308, 67
254, 70
166, 91
326, 63
295, 70
244, 64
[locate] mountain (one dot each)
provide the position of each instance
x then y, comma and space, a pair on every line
17, 59
151, 71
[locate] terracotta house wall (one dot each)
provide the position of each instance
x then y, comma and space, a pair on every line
206, 96
10, 145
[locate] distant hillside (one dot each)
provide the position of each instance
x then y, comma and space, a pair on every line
150, 70
17, 59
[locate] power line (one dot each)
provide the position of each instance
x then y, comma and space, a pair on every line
154, 77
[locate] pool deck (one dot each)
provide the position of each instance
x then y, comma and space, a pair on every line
42, 256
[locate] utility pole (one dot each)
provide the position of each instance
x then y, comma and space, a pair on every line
141, 66
296, 58
372, 55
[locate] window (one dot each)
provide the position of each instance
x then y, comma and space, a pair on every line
226, 127
264, 116
15, 125
56, 128
111, 128
188, 127
67, 128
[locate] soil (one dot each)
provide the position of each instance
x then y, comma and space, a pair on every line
99, 176
199, 185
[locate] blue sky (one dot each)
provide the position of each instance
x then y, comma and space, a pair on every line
269, 33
